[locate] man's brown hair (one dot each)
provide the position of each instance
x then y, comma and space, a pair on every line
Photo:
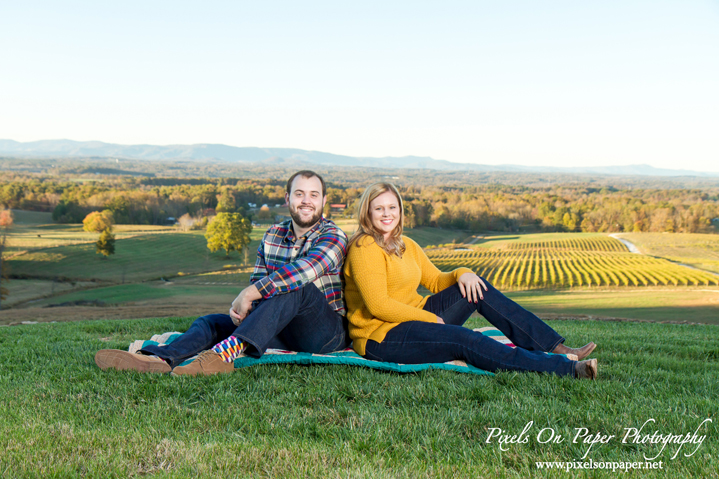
306, 174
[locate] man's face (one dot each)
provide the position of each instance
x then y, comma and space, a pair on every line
306, 201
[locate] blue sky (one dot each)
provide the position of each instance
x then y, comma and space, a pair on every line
555, 83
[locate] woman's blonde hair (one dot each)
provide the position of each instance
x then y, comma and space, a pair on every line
394, 245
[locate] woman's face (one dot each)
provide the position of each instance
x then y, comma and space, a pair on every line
385, 213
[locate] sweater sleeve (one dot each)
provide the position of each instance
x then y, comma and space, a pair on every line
432, 278
369, 270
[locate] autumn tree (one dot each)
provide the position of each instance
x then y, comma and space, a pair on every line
226, 202
264, 213
228, 231
106, 244
96, 221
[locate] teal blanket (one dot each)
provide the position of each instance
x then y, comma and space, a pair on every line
347, 357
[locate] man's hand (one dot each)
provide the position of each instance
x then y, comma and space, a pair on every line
242, 305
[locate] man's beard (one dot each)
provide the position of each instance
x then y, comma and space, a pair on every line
294, 213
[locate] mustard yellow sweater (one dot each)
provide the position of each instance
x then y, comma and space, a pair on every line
381, 290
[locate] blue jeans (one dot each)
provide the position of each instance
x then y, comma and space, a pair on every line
300, 320
420, 342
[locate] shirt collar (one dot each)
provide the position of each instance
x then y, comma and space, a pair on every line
290, 235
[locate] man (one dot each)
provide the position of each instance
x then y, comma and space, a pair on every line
294, 300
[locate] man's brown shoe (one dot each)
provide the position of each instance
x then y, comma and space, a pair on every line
206, 363
125, 360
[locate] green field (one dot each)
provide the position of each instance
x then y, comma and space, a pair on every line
425, 236
697, 305
137, 258
35, 231
147, 291
61, 416
551, 273
697, 250
20, 291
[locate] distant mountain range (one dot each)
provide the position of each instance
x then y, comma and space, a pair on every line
225, 153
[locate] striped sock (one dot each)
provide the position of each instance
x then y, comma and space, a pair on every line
229, 349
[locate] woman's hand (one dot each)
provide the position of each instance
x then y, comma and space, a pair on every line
471, 287
440, 320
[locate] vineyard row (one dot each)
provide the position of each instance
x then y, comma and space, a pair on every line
542, 268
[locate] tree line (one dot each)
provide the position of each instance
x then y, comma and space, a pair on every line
488, 207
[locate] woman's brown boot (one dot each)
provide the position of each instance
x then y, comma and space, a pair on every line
581, 353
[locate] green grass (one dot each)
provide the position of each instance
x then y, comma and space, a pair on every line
424, 235
63, 417
699, 305
32, 234
21, 217
137, 292
137, 258
20, 291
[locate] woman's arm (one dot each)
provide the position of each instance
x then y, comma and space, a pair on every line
432, 278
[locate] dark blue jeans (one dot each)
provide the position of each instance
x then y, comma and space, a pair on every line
420, 342
300, 320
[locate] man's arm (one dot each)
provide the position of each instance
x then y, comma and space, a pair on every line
242, 305
326, 254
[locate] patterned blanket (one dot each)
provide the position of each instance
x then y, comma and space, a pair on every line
347, 356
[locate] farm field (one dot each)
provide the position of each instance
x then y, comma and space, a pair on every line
502, 241
663, 303
210, 293
150, 291
139, 258
35, 230
20, 291
567, 261
697, 250
158, 270
63, 417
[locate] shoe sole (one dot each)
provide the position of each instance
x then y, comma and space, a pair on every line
127, 361
590, 370
175, 372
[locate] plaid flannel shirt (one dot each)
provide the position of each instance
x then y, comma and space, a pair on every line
286, 263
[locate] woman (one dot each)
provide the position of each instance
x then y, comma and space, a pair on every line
390, 321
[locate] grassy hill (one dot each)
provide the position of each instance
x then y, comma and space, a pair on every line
61, 416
